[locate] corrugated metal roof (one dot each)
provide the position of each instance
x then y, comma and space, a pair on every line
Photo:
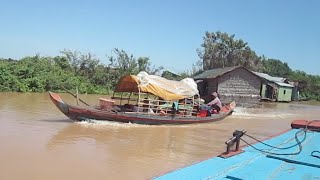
277, 80
270, 78
213, 73
284, 84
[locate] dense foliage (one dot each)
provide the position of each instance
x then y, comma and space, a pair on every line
74, 69
69, 71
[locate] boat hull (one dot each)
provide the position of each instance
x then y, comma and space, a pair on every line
287, 163
90, 113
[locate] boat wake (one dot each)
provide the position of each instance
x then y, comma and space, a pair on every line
260, 113
102, 124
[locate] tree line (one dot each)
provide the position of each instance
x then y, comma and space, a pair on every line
73, 69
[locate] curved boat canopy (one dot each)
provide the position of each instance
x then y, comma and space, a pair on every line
158, 86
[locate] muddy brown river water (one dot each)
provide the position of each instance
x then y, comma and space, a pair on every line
38, 142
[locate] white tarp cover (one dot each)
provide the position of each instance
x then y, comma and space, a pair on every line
159, 86
186, 87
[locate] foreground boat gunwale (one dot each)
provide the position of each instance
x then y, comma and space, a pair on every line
228, 170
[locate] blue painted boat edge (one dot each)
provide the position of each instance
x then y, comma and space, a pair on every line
252, 161
218, 156
287, 163
291, 159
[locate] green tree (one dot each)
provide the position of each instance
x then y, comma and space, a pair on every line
62, 62
122, 64
275, 67
223, 50
82, 64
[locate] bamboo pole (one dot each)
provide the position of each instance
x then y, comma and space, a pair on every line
77, 96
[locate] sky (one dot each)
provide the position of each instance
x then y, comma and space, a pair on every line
169, 32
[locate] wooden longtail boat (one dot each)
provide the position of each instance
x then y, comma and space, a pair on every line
149, 99
293, 154
80, 113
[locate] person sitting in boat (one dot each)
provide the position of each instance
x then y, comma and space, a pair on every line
214, 104
175, 108
197, 100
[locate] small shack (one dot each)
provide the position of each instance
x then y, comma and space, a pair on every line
231, 83
295, 90
275, 88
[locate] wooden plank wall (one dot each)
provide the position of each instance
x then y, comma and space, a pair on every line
238, 85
